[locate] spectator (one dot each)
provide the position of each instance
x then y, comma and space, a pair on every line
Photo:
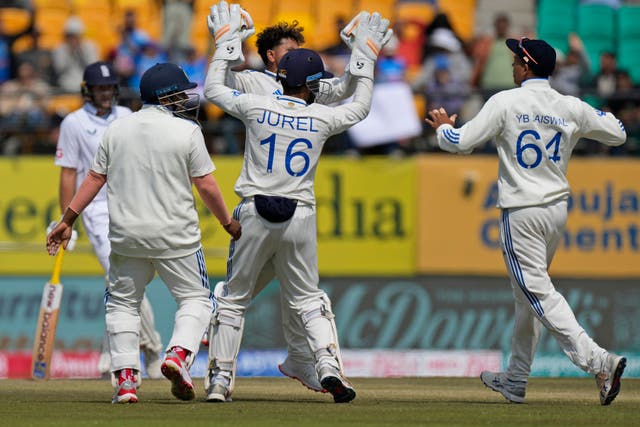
390, 68
129, 50
605, 81
72, 56
151, 55
492, 61
439, 22
7, 60
5, 55
176, 27
23, 104
444, 45
445, 90
40, 57
572, 72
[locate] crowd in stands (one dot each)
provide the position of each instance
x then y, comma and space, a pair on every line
40, 82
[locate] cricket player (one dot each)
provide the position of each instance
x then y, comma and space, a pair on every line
149, 161
273, 43
285, 136
536, 129
80, 135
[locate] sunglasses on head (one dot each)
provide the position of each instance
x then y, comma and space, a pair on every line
528, 55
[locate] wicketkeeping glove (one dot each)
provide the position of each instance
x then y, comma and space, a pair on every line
72, 240
367, 34
229, 26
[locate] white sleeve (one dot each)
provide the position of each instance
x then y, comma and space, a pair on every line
485, 125
347, 115
200, 163
230, 100
101, 159
67, 150
336, 89
600, 126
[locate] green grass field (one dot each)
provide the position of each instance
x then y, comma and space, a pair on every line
281, 401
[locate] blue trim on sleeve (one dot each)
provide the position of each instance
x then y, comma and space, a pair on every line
451, 135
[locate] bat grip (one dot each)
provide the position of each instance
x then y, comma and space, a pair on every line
55, 276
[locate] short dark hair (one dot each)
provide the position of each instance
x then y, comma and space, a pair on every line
270, 37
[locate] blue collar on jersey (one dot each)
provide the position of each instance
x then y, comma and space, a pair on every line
270, 73
291, 99
91, 109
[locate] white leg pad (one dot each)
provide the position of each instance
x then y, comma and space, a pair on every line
190, 323
322, 334
224, 345
124, 340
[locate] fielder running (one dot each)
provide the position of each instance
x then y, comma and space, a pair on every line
80, 135
285, 136
536, 129
273, 43
149, 161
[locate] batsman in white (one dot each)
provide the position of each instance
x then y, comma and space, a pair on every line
149, 161
535, 130
80, 135
273, 43
285, 136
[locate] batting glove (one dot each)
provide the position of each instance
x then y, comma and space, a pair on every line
229, 26
72, 240
368, 34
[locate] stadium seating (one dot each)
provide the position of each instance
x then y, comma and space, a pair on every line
461, 14
628, 23
50, 22
628, 55
14, 20
326, 14
596, 21
422, 12
556, 19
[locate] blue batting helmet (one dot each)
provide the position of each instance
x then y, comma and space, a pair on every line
99, 73
300, 67
163, 79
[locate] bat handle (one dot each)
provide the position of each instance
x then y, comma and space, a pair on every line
55, 276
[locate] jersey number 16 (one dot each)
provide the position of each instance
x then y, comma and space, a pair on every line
290, 154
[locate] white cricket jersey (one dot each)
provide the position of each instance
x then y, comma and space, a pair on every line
149, 158
264, 83
80, 134
535, 129
285, 136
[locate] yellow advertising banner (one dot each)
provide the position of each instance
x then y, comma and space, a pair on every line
458, 230
366, 217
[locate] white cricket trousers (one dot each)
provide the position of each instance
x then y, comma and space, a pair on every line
529, 237
187, 281
96, 224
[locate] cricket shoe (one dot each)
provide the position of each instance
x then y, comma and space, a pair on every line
303, 372
333, 382
218, 393
513, 391
608, 381
174, 369
125, 388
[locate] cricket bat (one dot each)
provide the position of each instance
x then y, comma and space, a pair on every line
47, 323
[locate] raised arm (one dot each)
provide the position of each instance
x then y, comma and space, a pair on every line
227, 25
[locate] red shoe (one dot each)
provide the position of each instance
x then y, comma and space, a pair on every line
125, 391
175, 370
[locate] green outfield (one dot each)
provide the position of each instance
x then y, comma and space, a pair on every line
280, 401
